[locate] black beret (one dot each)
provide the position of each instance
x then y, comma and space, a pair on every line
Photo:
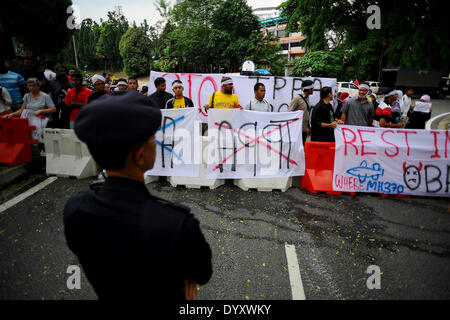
121, 118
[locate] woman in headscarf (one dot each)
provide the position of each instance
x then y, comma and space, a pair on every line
417, 119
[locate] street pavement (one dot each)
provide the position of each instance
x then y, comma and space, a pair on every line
336, 239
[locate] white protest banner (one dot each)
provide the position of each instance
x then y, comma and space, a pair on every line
252, 144
422, 107
178, 149
392, 161
279, 90
38, 122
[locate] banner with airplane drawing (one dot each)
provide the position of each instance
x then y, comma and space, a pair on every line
392, 161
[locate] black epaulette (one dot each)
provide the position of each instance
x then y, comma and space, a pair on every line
177, 205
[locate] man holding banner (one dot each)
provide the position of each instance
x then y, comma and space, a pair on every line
323, 121
179, 101
383, 115
225, 98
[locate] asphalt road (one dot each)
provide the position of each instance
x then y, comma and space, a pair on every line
336, 239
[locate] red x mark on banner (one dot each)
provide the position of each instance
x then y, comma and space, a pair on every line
257, 141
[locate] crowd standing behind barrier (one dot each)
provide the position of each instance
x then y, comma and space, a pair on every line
394, 110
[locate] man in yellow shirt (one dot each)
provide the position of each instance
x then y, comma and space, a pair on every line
179, 100
224, 99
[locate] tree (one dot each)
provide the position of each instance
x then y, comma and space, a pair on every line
412, 35
216, 36
135, 49
322, 63
24, 21
111, 32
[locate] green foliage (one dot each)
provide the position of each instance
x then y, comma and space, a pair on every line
216, 36
318, 64
413, 34
111, 32
135, 51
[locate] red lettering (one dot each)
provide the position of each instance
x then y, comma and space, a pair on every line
447, 139
406, 137
176, 75
190, 75
350, 184
349, 142
201, 85
385, 151
436, 155
362, 141
337, 181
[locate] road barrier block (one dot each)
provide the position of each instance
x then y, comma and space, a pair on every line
15, 141
66, 155
202, 180
319, 167
264, 184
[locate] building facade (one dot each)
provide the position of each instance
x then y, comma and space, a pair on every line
272, 23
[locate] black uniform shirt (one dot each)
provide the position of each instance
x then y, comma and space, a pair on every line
132, 245
322, 113
160, 99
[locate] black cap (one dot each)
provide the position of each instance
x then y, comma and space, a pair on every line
307, 83
122, 118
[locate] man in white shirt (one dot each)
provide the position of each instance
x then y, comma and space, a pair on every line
259, 103
407, 101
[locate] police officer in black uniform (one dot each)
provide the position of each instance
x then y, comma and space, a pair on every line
131, 244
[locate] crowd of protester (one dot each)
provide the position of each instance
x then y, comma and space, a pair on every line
59, 94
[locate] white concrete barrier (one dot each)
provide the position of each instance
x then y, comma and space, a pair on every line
202, 180
262, 184
150, 179
66, 156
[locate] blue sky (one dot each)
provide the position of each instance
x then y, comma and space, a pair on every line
138, 10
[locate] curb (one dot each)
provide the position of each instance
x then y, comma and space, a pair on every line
10, 176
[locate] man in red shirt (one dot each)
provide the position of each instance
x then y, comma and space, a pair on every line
76, 97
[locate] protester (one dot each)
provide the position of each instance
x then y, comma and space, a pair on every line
301, 102
48, 73
131, 244
160, 96
358, 111
373, 98
144, 90
31, 70
407, 102
122, 85
99, 87
383, 115
397, 107
179, 101
133, 83
77, 97
417, 119
14, 83
37, 101
356, 82
5, 102
259, 103
225, 98
62, 116
323, 120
